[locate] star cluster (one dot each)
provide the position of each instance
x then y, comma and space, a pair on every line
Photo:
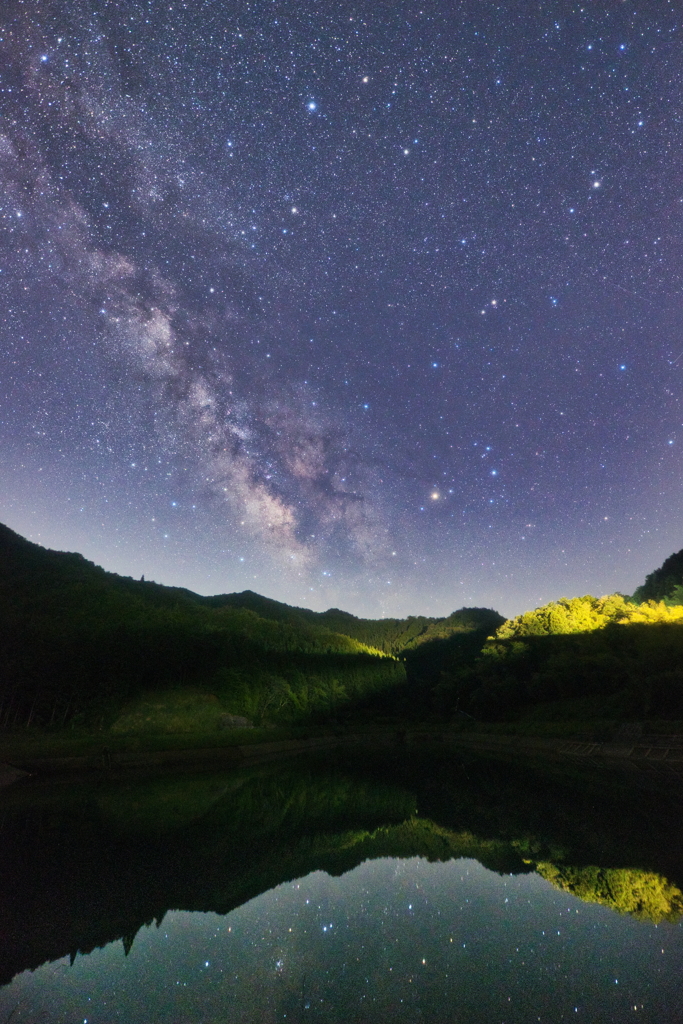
376, 306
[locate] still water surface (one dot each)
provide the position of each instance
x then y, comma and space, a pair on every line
369, 938
401, 940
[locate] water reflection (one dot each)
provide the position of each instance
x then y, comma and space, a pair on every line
324, 888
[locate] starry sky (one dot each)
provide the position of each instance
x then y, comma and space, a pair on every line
374, 305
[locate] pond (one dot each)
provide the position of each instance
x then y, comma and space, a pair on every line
423, 889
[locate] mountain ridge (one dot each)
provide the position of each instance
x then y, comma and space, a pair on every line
76, 639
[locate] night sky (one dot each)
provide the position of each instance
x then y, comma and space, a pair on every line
374, 305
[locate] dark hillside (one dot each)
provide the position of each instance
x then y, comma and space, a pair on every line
398, 636
392, 636
265, 607
596, 658
661, 584
76, 642
429, 647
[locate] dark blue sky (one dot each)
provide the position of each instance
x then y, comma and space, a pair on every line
369, 305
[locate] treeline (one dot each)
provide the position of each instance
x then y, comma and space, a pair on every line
592, 657
612, 657
391, 636
664, 584
401, 636
427, 646
76, 642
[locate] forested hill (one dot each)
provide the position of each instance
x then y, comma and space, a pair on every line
38, 585
665, 583
29, 572
392, 636
76, 640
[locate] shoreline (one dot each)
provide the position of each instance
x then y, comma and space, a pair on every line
648, 755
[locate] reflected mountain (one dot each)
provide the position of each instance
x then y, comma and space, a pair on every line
88, 863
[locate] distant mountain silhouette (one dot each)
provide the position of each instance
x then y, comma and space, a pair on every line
77, 641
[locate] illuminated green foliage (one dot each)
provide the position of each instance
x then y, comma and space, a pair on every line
642, 894
619, 658
585, 614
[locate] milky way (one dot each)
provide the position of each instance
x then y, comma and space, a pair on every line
376, 306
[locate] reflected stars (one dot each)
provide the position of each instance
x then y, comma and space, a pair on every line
517, 934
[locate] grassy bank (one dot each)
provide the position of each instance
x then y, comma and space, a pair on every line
40, 744
31, 746
600, 731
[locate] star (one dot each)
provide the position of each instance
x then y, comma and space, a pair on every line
180, 232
